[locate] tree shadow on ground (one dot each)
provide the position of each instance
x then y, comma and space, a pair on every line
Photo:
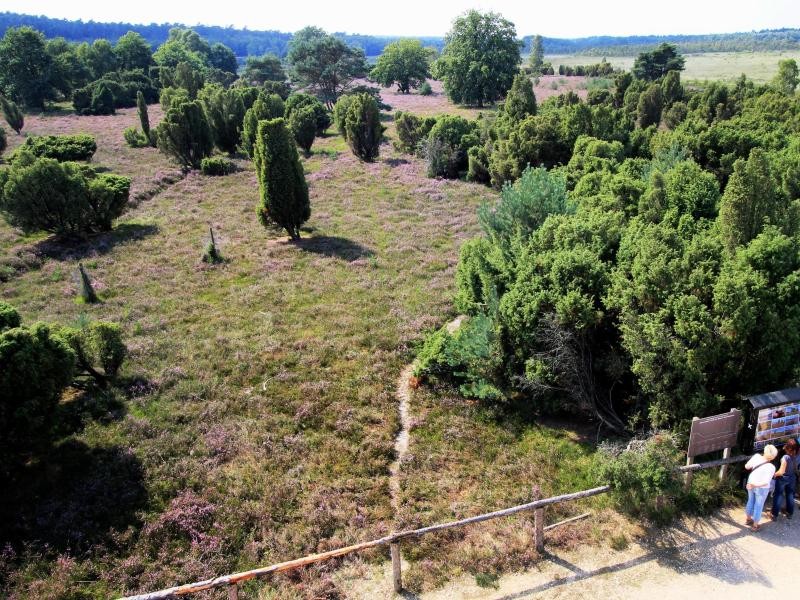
395, 162
334, 247
101, 243
710, 552
72, 497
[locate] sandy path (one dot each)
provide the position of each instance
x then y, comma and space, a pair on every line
403, 394
714, 559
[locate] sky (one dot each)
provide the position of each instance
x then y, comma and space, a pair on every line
562, 18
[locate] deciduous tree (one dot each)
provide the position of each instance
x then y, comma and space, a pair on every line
480, 58
404, 62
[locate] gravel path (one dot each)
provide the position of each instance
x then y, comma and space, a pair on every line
714, 559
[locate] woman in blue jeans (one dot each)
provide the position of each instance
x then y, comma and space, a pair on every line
761, 472
786, 481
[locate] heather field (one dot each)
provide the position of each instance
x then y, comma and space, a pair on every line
255, 418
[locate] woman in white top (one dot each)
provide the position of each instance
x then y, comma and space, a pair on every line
761, 472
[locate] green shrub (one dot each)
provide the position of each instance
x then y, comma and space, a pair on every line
9, 317
448, 143
102, 100
282, 183
37, 367
265, 107
425, 89
363, 129
135, 139
642, 477
280, 88
61, 147
303, 125
184, 134
99, 350
12, 114
469, 358
42, 194
321, 114
217, 166
340, 114
224, 111
411, 130
443, 159
171, 96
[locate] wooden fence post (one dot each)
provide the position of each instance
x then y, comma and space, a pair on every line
397, 577
726, 453
723, 470
687, 477
538, 529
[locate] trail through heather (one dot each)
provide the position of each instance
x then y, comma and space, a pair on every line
401, 441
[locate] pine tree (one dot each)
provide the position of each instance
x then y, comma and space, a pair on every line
284, 192
13, 115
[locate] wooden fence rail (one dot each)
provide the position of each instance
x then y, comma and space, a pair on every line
393, 541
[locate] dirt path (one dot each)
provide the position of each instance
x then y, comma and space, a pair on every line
403, 394
713, 559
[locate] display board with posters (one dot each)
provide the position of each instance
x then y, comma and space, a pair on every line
775, 417
777, 425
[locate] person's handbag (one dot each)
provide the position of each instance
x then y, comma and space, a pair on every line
753, 470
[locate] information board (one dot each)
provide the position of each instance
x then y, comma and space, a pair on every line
777, 424
714, 433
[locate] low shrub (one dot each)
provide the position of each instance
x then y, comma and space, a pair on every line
321, 115
80, 147
642, 476
217, 166
42, 194
99, 351
135, 138
425, 89
411, 130
469, 358
184, 134
37, 367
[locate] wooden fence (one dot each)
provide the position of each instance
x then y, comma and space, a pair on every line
393, 541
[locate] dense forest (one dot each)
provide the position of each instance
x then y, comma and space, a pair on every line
250, 43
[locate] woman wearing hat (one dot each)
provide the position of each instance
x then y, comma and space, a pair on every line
761, 472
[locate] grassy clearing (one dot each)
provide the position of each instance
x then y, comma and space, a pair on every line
258, 415
723, 66
465, 459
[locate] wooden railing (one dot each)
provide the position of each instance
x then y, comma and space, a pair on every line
393, 541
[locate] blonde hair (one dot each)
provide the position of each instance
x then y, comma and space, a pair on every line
770, 452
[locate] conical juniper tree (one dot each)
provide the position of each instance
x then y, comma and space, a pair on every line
185, 135
284, 192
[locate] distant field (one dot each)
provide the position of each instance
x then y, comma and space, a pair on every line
726, 66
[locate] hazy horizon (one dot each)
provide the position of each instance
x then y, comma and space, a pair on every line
620, 18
